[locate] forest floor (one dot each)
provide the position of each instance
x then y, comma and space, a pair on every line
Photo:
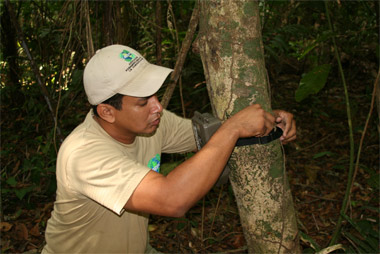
316, 164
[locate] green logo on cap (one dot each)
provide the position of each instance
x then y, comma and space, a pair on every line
127, 56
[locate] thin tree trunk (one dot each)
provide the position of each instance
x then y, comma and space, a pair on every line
182, 57
90, 44
107, 24
231, 48
158, 33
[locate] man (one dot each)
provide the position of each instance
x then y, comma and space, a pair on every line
108, 179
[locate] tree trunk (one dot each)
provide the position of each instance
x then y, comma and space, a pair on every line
158, 33
107, 24
10, 55
231, 49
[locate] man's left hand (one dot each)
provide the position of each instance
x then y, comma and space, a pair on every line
286, 122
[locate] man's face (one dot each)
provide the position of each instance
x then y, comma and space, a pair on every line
138, 115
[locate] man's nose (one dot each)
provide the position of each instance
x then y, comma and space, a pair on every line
156, 105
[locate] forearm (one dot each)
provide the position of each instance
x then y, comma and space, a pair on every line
191, 180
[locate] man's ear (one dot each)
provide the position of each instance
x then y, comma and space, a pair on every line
106, 112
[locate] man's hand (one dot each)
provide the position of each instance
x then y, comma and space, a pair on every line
252, 121
286, 122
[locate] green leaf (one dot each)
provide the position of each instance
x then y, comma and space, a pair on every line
361, 245
312, 82
321, 154
307, 239
307, 50
22, 192
373, 181
44, 32
5, 191
12, 181
370, 244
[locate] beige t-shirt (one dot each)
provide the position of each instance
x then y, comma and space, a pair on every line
96, 175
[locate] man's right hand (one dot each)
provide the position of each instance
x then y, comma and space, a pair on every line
252, 121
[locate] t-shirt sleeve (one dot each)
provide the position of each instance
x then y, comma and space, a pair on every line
178, 135
105, 175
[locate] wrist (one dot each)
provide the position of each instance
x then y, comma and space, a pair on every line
230, 129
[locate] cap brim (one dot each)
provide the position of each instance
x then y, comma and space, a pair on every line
147, 83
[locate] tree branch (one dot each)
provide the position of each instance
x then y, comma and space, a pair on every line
90, 44
182, 56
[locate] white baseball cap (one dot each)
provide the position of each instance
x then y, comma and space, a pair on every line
121, 69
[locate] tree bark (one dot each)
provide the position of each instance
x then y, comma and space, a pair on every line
231, 49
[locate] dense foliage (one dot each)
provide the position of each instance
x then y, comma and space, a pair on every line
45, 46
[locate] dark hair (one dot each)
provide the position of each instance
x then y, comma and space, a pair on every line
115, 101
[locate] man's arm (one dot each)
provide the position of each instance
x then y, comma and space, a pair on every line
173, 195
